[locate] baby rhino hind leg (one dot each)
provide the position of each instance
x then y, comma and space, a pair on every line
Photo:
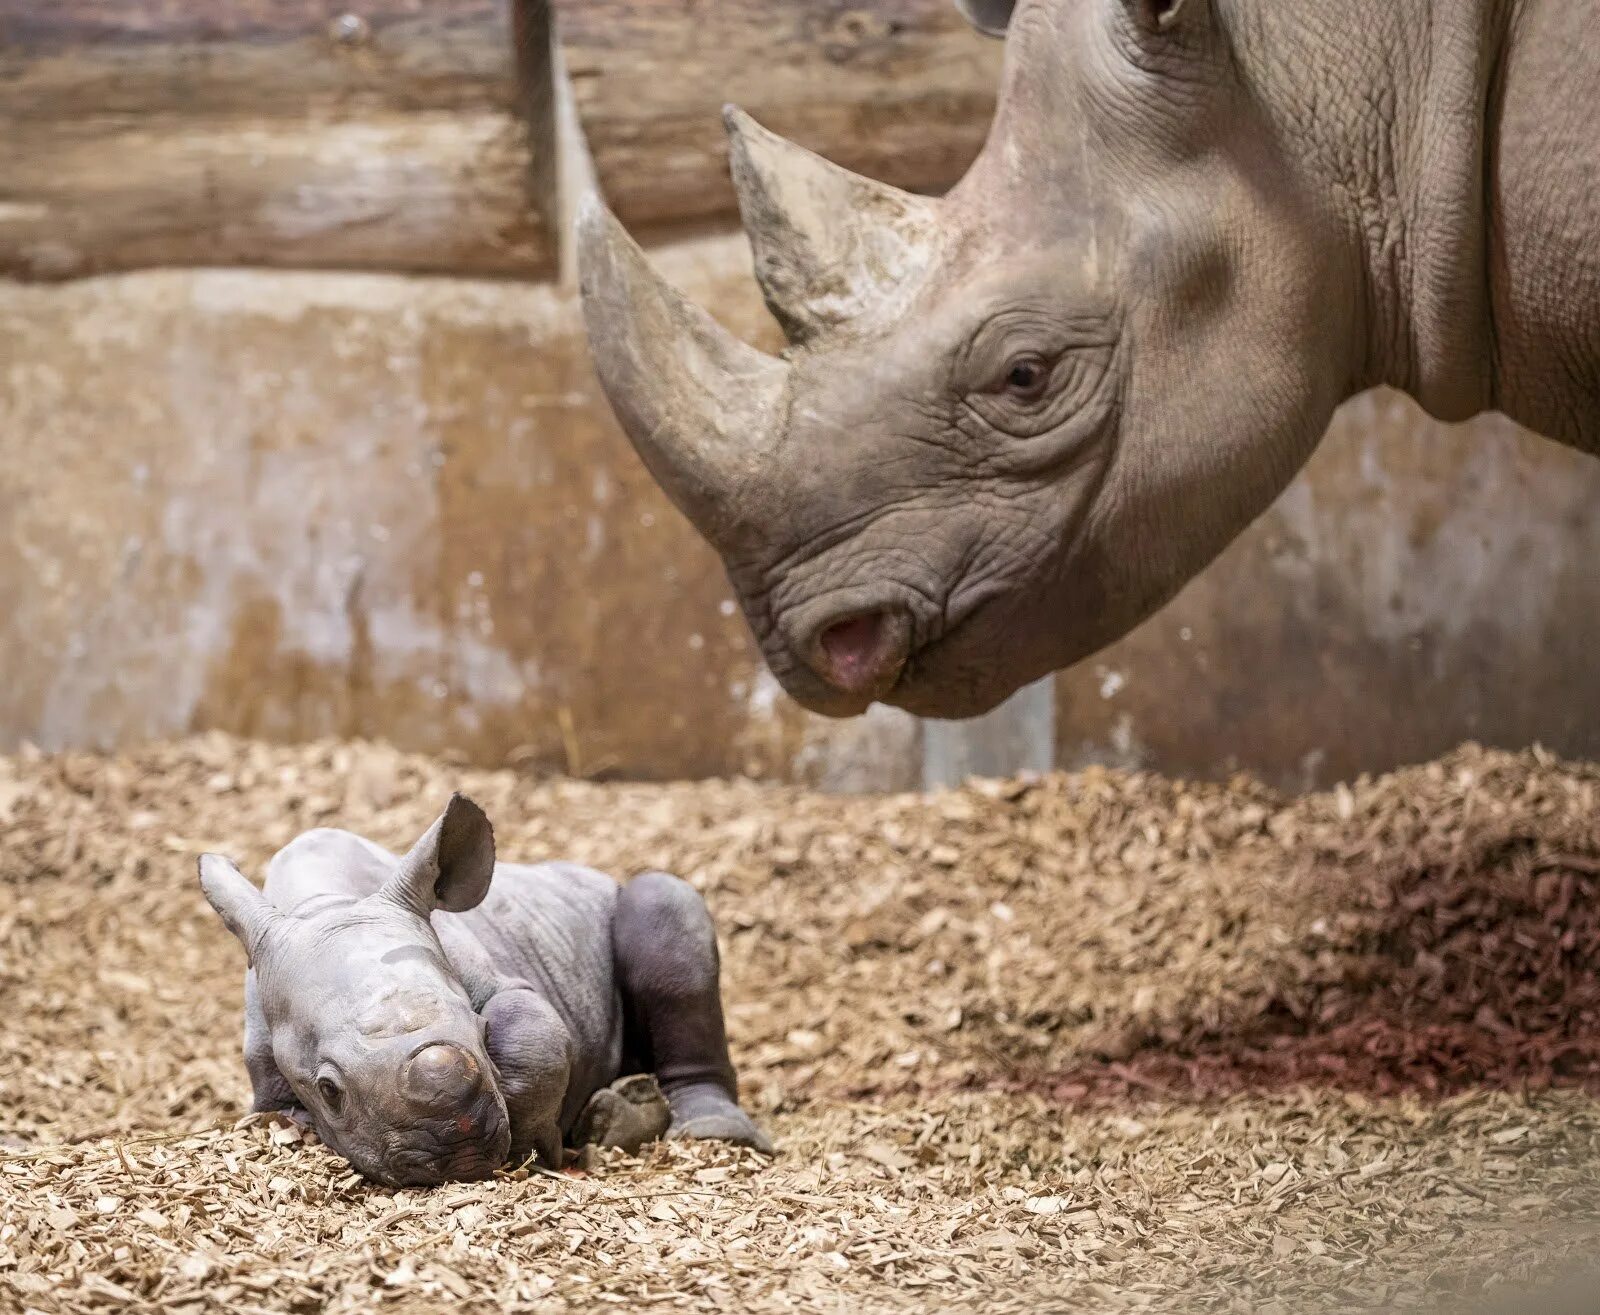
666, 951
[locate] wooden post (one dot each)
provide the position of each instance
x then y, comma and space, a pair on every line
900, 90
382, 134
1017, 736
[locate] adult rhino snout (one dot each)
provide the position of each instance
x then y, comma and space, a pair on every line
442, 1076
861, 655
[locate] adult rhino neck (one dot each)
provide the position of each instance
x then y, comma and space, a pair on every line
1544, 265
1389, 107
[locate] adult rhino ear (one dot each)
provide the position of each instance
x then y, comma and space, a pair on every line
451, 866
244, 910
991, 17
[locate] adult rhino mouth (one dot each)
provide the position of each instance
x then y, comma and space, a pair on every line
951, 674
955, 662
932, 685
839, 652
837, 658
929, 668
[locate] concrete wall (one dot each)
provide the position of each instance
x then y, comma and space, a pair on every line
310, 504
1417, 585
304, 504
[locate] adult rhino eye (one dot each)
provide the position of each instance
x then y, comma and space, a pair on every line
1026, 377
331, 1094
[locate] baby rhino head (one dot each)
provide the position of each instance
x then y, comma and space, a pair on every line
369, 1025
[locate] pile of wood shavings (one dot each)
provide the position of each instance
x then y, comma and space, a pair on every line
1097, 1040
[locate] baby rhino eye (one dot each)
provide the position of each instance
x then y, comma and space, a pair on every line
331, 1094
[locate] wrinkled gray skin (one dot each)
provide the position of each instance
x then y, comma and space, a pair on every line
435, 1014
1015, 420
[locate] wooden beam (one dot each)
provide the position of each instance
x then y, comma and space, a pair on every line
407, 135
901, 90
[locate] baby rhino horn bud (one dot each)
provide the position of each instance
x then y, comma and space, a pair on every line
442, 1076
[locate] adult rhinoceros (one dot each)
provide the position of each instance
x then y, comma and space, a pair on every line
1015, 420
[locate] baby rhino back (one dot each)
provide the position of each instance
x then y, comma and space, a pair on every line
549, 924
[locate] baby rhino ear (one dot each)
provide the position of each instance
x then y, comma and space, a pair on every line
244, 910
451, 866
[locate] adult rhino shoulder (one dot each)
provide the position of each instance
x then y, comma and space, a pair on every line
1015, 420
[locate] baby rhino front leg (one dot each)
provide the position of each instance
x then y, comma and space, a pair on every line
270, 1092
532, 1052
628, 1114
666, 953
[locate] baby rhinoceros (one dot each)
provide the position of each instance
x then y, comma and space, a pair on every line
434, 1015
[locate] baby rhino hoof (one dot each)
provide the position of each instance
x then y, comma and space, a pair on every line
626, 1115
707, 1113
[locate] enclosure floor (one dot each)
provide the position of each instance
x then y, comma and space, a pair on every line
1091, 1042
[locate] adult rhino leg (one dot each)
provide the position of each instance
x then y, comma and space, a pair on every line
666, 953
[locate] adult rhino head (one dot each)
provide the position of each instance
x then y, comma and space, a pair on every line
1014, 420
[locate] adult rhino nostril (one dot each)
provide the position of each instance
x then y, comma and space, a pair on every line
442, 1075
864, 654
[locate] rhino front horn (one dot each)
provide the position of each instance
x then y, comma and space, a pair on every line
700, 406
831, 247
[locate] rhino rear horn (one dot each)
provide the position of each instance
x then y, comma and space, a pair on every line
830, 246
